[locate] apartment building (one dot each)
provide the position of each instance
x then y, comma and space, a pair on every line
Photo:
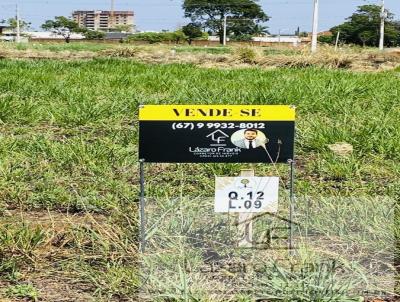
103, 20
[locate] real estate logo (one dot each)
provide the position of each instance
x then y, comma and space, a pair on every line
219, 137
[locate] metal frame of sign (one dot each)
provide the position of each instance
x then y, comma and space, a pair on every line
142, 198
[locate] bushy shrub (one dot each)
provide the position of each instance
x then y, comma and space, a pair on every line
326, 39
246, 55
94, 35
152, 38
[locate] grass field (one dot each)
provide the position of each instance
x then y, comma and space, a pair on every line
69, 184
235, 56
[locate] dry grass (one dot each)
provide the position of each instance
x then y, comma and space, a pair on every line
73, 259
351, 58
39, 54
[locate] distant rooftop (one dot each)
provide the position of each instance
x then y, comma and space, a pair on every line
107, 12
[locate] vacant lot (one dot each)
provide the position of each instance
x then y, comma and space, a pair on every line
69, 181
346, 57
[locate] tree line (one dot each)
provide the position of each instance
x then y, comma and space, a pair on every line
244, 19
363, 28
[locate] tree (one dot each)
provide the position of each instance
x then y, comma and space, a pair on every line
177, 36
152, 37
192, 31
62, 26
326, 39
363, 27
23, 25
123, 28
260, 30
242, 38
396, 25
242, 15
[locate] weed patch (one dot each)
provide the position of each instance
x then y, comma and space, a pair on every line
24, 291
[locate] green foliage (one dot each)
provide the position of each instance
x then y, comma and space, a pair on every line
313, 282
62, 26
69, 142
152, 38
94, 34
60, 22
259, 30
9, 269
192, 31
326, 39
20, 240
270, 51
198, 49
59, 47
242, 15
246, 54
113, 280
179, 36
362, 28
23, 25
205, 36
242, 38
123, 28
24, 291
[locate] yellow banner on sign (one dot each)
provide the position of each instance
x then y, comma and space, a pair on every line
217, 113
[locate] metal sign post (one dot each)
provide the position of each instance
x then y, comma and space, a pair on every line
245, 223
142, 202
291, 207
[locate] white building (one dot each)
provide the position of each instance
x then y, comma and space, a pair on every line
50, 35
293, 40
104, 20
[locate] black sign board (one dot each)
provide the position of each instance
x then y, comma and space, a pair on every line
216, 133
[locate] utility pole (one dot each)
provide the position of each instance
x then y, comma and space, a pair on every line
224, 42
18, 37
383, 17
315, 27
337, 40
279, 37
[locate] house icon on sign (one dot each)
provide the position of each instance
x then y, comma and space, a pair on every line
218, 137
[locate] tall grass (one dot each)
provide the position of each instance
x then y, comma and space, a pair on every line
197, 49
68, 142
58, 47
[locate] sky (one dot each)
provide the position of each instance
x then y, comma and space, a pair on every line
155, 15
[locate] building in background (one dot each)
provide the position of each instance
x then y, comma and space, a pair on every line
51, 36
4, 27
8, 34
105, 20
268, 40
279, 40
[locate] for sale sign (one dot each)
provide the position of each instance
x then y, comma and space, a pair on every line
246, 194
216, 133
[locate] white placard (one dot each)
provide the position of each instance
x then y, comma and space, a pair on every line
246, 194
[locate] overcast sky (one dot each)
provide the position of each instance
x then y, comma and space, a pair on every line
168, 14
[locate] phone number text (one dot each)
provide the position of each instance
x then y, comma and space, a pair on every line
193, 126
